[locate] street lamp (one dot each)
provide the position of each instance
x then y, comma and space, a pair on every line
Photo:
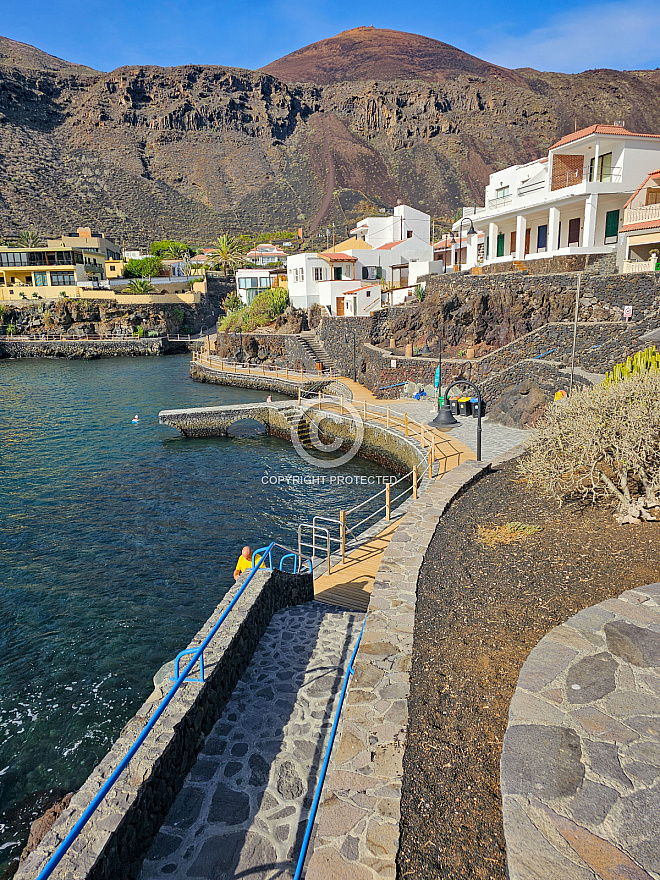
471, 231
426, 351
445, 421
347, 330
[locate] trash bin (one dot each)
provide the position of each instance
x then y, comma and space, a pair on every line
475, 406
464, 406
453, 405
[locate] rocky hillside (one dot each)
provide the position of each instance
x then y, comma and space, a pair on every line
150, 152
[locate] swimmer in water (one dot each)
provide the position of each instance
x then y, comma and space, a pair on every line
136, 419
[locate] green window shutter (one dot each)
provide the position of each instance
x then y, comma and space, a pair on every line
365, 273
611, 224
500, 245
379, 272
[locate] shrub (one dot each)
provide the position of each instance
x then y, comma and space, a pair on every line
233, 303
602, 445
419, 292
147, 267
263, 309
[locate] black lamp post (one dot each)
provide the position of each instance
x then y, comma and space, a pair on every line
426, 351
471, 231
347, 330
445, 421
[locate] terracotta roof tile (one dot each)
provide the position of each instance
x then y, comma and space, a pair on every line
599, 129
340, 258
646, 224
388, 247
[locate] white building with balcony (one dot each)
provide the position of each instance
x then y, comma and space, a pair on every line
266, 255
570, 202
641, 228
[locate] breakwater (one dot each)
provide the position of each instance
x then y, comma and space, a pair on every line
91, 349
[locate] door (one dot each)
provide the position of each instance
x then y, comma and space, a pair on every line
574, 231
611, 226
542, 238
528, 235
337, 273
512, 248
500, 245
340, 306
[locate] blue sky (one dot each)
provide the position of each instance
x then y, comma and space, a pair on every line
566, 35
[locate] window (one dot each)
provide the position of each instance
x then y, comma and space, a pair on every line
604, 173
295, 275
63, 279
574, 231
371, 273
409, 233
302, 274
337, 273
264, 282
611, 226
502, 192
500, 245
40, 279
318, 273
542, 238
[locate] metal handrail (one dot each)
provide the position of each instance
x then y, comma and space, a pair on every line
65, 845
326, 760
314, 529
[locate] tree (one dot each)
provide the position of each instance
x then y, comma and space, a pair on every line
170, 250
602, 444
29, 238
226, 254
139, 287
147, 267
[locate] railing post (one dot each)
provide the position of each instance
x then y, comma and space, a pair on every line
433, 446
430, 466
422, 434
301, 374
405, 423
388, 416
319, 400
388, 505
341, 404
342, 536
287, 373
415, 481
299, 395
364, 409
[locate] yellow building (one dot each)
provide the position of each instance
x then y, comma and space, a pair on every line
46, 273
84, 238
114, 268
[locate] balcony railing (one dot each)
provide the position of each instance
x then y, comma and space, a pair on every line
641, 215
473, 211
635, 267
500, 203
527, 188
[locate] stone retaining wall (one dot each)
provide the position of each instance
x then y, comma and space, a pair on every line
581, 757
274, 349
357, 826
266, 383
88, 349
114, 841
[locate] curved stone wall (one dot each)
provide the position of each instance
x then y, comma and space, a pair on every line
580, 768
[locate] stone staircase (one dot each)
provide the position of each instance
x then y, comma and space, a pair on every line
297, 423
311, 342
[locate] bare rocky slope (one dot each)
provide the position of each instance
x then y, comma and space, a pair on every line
150, 152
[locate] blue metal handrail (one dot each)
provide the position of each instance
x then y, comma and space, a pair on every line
56, 858
324, 766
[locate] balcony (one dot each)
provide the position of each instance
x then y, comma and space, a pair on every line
641, 215
528, 188
497, 204
635, 267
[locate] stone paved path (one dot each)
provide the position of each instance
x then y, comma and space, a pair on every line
580, 767
243, 807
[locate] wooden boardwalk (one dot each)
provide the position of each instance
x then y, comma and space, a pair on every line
349, 584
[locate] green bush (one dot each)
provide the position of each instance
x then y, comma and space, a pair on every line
175, 248
263, 309
147, 267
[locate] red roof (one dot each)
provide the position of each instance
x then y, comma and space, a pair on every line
340, 258
357, 289
646, 224
599, 129
388, 247
654, 175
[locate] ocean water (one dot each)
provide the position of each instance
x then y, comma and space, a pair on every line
116, 542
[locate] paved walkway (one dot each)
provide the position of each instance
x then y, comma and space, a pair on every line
580, 768
243, 807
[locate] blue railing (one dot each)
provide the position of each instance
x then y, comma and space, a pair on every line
266, 553
324, 766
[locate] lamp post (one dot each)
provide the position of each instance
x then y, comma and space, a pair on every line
471, 231
445, 421
347, 330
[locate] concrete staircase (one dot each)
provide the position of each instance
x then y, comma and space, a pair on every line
311, 342
297, 423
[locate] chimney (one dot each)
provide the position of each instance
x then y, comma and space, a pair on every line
84, 232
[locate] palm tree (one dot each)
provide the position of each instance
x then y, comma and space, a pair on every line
30, 238
177, 251
139, 287
226, 253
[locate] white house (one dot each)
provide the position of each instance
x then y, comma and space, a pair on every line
249, 282
570, 202
348, 278
266, 255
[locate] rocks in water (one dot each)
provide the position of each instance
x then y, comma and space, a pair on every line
41, 826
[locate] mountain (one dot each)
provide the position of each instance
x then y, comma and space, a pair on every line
187, 152
368, 53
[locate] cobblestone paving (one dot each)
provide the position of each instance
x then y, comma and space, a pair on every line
580, 767
243, 807
496, 439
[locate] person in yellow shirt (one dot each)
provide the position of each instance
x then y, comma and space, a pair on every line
244, 562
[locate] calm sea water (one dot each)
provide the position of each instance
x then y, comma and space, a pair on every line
117, 541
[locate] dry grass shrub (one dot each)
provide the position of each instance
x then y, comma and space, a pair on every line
508, 533
602, 445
